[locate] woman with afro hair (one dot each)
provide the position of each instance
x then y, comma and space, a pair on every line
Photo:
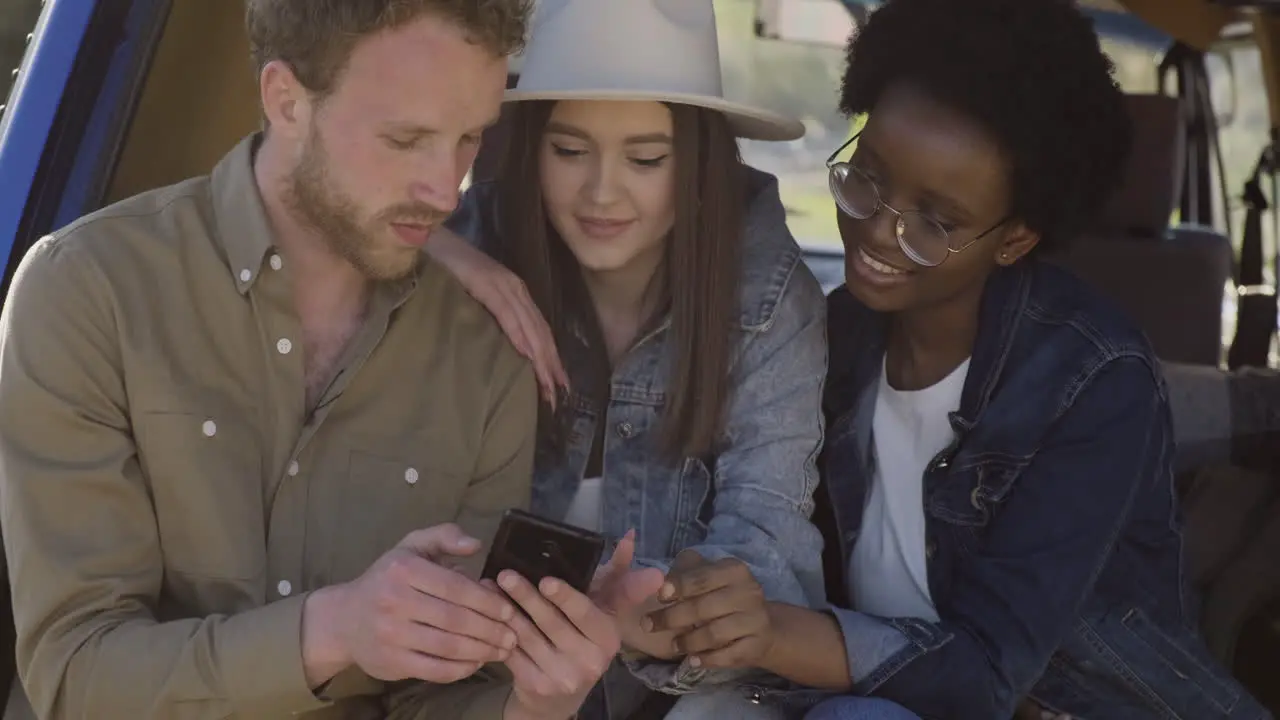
998, 445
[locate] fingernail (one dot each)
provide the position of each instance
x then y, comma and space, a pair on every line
507, 581
550, 587
695, 661
468, 542
507, 613
509, 640
667, 592
646, 624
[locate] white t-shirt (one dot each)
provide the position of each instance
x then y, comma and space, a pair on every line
888, 572
587, 505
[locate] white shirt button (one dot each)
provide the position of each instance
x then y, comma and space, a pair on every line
293, 468
411, 476
276, 262
210, 428
284, 588
245, 275
284, 346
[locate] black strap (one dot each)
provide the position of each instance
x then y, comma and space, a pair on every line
1255, 300
1196, 203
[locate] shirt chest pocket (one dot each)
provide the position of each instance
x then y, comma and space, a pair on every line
205, 476
389, 493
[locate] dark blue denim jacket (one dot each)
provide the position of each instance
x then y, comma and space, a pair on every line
1053, 539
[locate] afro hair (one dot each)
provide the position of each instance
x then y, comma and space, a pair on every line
1031, 72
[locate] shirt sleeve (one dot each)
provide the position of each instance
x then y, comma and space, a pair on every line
80, 530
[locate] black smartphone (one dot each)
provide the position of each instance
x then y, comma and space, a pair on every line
537, 548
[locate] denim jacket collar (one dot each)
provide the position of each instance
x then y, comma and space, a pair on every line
766, 262
1004, 304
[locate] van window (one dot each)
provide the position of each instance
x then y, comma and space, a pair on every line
801, 80
804, 80
17, 21
1246, 133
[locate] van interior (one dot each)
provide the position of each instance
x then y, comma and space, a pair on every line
1187, 246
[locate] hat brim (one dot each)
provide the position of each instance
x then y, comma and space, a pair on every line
747, 122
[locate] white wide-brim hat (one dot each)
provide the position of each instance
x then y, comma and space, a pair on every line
658, 50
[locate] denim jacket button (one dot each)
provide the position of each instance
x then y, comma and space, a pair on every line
625, 430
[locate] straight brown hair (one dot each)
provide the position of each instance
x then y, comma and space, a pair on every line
698, 284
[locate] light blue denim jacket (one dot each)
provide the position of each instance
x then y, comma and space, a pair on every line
753, 499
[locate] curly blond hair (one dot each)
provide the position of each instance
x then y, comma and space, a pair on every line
315, 37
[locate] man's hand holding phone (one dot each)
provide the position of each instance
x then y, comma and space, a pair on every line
409, 616
569, 638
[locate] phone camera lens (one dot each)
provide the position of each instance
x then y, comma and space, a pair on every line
549, 549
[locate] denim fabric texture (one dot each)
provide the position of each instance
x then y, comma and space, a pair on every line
1053, 538
860, 708
753, 497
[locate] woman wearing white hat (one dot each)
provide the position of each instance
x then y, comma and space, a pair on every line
677, 298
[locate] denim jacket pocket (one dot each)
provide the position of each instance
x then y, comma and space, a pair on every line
692, 506
969, 496
1159, 667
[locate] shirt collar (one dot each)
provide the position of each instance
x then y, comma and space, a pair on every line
241, 217
244, 230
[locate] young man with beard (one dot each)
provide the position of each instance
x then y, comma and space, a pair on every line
250, 439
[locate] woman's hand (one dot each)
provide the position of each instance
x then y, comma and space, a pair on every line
631, 594
717, 613
657, 644
505, 296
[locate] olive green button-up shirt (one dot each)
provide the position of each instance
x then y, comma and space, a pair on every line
168, 500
